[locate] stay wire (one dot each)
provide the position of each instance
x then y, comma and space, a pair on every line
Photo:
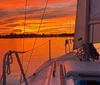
25, 17
36, 37
23, 52
41, 45
37, 46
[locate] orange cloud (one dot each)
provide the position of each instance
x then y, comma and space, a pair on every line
56, 19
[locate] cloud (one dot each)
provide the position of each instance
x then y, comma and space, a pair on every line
56, 28
12, 25
3, 13
15, 17
16, 30
21, 11
5, 28
4, 0
8, 20
46, 22
62, 5
54, 11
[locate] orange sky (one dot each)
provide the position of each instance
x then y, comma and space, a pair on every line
59, 16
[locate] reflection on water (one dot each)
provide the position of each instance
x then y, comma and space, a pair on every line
40, 53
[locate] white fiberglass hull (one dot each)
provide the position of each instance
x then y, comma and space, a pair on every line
59, 71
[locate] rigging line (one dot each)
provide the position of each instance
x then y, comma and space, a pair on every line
36, 37
34, 48
41, 45
25, 17
37, 46
24, 24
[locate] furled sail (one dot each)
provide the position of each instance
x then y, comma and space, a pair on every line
81, 24
94, 21
94, 11
87, 22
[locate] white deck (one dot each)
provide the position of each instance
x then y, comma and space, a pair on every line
87, 68
70, 67
46, 77
56, 80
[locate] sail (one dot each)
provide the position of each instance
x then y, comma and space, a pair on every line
94, 21
94, 11
81, 24
87, 22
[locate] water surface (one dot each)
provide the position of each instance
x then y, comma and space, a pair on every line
39, 55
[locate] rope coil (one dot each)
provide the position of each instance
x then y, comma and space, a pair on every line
7, 61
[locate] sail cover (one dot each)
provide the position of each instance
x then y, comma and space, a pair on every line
87, 22
81, 24
94, 11
95, 21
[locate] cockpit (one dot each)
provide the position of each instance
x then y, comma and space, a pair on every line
86, 82
72, 81
82, 73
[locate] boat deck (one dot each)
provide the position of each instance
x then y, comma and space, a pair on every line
49, 76
53, 74
61, 70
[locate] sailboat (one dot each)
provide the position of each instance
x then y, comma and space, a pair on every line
74, 68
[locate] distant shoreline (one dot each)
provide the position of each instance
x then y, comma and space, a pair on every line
12, 35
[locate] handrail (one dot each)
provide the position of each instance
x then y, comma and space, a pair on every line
9, 53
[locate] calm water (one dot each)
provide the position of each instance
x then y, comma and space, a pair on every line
40, 53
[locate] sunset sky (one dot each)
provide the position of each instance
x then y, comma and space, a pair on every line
58, 18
